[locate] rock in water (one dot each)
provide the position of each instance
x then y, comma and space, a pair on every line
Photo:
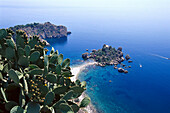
121, 70
130, 61
115, 67
127, 57
119, 48
85, 56
94, 50
68, 32
125, 71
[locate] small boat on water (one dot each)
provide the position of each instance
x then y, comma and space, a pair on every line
140, 65
168, 58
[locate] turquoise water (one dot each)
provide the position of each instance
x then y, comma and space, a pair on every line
142, 30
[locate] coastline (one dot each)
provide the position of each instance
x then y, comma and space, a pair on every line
76, 71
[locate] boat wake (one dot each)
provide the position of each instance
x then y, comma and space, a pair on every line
160, 56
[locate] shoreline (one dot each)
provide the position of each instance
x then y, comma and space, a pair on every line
76, 71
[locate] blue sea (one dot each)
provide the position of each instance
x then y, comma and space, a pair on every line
141, 28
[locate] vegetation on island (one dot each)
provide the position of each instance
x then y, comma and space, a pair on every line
107, 56
46, 30
32, 81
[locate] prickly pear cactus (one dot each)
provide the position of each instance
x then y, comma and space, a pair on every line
32, 81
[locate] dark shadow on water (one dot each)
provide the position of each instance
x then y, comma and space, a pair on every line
119, 92
58, 41
88, 79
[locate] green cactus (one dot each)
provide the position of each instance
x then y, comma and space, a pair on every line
23, 61
85, 102
60, 90
3, 33
32, 81
83, 84
9, 105
33, 107
3, 94
33, 66
17, 109
34, 56
1, 76
51, 78
21, 51
68, 95
46, 109
13, 75
27, 50
49, 98
58, 69
65, 108
10, 53
53, 59
36, 71
66, 62
60, 58
11, 43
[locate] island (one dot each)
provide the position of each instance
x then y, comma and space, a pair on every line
108, 56
46, 30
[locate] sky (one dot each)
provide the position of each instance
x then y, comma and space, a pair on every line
160, 7
87, 3
144, 10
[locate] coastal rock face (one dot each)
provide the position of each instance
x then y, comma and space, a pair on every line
46, 30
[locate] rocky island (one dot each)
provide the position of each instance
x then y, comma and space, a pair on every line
46, 30
108, 56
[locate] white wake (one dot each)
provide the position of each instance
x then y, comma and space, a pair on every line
160, 56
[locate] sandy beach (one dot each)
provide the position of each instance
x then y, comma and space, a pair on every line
76, 71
